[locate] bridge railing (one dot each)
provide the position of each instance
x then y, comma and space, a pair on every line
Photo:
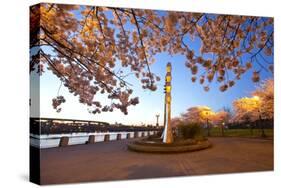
63, 140
41, 126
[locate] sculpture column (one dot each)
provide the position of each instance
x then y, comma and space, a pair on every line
168, 134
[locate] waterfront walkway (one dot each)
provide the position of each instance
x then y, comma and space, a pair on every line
112, 161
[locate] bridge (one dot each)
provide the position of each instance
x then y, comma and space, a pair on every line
41, 126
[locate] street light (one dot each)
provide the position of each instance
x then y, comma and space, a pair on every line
207, 122
222, 130
257, 99
157, 119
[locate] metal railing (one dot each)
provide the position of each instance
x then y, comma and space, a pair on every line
63, 140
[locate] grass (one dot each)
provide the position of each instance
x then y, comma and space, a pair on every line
241, 132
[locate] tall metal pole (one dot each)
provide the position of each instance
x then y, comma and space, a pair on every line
168, 134
157, 120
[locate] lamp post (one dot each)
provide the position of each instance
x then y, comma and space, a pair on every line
246, 116
207, 122
257, 99
222, 129
157, 119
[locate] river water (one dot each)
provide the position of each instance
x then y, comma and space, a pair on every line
53, 140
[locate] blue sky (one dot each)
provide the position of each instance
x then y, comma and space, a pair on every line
185, 94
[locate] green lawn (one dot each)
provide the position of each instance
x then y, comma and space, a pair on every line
240, 132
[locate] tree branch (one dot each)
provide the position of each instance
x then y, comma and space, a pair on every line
140, 38
77, 60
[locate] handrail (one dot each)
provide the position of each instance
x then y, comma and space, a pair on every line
81, 136
73, 120
65, 139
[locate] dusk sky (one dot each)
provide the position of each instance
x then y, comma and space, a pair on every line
185, 94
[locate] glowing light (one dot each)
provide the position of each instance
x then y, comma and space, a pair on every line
168, 79
256, 97
168, 89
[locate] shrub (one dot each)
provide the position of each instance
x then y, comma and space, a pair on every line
190, 130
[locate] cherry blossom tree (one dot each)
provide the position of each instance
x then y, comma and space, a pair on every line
265, 93
246, 109
176, 121
221, 117
259, 106
198, 114
83, 46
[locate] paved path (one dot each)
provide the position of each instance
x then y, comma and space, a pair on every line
112, 161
